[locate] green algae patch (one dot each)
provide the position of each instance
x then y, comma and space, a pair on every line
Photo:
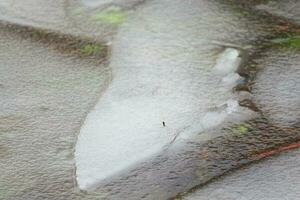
292, 42
111, 17
92, 49
241, 129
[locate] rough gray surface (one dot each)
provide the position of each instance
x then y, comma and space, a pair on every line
66, 16
289, 9
45, 95
38, 13
277, 178
277, 86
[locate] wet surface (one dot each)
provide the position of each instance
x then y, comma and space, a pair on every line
276, 178
47, 91
165, 68
289, 9
179, 169
62, 16
278, 97
44, 97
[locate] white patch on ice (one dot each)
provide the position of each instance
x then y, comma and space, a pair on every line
212, 119
227, 65
157, 77
228, 61
231, 79
122, 131
99, 3
232, 106
96, 3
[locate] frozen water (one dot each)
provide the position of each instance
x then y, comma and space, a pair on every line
278, 97
276, 178
159, 75
123, 130
46, 97
228, 61
105, 3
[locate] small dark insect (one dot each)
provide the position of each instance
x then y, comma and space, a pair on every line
164, 123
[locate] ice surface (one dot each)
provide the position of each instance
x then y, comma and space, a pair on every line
122, 131
228, 61
157, 77
105, 3
278, 97
276, 178
95, 3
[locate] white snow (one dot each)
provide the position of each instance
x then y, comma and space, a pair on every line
228, 61
157, 77
96, 3
122, 131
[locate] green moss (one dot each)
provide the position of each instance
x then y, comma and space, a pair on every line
112, 17
292, 42
241, 129
91, 49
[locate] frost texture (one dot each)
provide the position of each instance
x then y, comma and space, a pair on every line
157, 77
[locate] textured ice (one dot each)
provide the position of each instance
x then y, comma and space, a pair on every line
157, 77
105, 3
278, 97
95, 3
275, 178
228, 61
122, 131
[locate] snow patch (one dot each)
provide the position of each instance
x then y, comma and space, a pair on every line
120, 132
228, 62
154, 81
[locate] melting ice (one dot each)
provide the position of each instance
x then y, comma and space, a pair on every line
163, 71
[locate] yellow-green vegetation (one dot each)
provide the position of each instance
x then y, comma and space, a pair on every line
292, 42
111, 17
91, 49
241, 129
